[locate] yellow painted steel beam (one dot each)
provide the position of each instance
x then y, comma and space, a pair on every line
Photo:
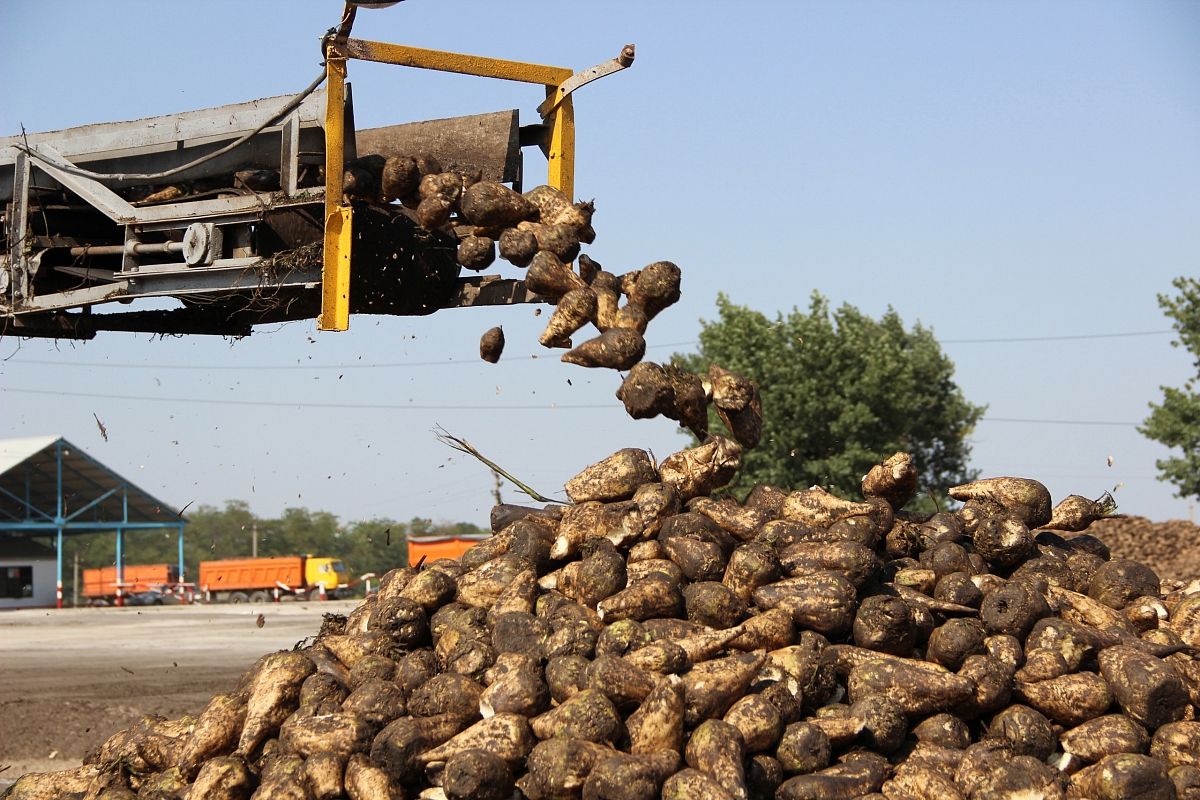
335, 130
335, 275
559, 114
335, 267
561, 166
461, 63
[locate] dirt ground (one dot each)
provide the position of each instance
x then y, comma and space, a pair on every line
72, 678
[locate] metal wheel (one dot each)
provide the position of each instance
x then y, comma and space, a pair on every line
239, 597
259, 597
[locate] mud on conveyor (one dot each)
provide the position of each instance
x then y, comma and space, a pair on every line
398, 266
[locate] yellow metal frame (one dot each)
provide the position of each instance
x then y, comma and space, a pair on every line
335, 278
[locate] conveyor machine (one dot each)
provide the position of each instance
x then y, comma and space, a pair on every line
238, 213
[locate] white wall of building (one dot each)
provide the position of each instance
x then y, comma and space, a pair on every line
44, 583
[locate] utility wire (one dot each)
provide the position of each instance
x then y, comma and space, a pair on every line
1056, 338
534, 357
307, 404
457, 362
448, 407
1060, 422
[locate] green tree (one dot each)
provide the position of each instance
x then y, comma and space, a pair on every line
1175, 422
840, 392
215, 533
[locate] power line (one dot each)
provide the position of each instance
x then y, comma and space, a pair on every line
290, 404
456, 362
261, 367
1060, 422
447, 407
532, 357
1011, 339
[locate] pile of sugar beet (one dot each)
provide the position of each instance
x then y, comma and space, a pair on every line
650, 640
655, 638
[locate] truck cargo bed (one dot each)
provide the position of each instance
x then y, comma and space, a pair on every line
248, 574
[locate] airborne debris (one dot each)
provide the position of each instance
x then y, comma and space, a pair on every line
491, 345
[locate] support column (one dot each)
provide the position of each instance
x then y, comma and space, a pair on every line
335, 266
120, 542
58, 521
58, 592
562, 147
182, 578
120, 571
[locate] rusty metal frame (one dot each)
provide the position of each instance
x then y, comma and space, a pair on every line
557, 112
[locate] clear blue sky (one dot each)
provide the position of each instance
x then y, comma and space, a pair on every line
993, 170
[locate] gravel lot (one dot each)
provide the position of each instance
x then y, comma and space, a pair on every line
72, 678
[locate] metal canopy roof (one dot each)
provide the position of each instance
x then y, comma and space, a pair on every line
12, 547
48, 484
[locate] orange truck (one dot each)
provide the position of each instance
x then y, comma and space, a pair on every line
100, 584
431, 548
256, 580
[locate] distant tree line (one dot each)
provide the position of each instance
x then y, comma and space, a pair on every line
375, 545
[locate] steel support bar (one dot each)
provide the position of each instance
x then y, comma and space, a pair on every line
133, 248
96, 502
181, 573
561, 155
73, 298
289, 157
29, 507
175, 215
95, 193
18, 242
335, 278
463, 64
46, 528
169, 215
335, 273
239, 275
